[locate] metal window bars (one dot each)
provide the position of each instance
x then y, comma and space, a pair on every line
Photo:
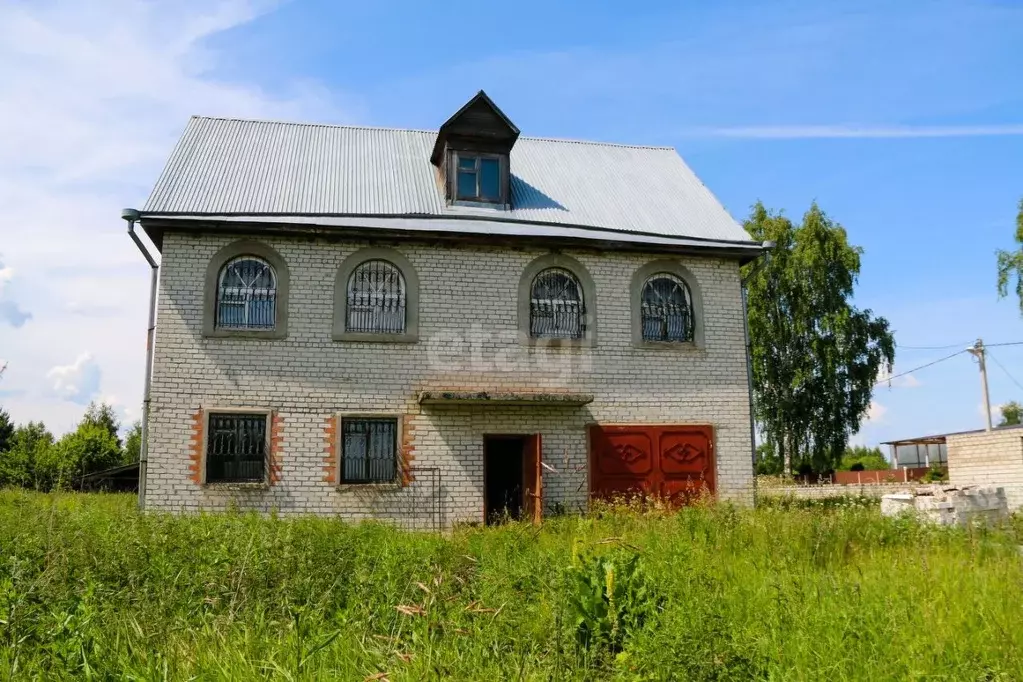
246, 295
376, 299
556, 306
369, 450
236, 448
666, 309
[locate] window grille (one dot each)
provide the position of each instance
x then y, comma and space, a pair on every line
369, 450
479, 178
556, 305
376, 299
246, 295
666, 309
236, 448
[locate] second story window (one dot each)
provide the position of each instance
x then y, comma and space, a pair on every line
667, 309
246, 295
376, 299
556, 305
478, 178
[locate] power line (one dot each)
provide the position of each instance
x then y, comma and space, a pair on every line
1009, 343
951, 345
917, 369
1002, 367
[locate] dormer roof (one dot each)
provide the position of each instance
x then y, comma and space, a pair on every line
479, 121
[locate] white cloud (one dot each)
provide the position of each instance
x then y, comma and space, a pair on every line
875, 412
77, 382
797, 132
95, 95
9, 310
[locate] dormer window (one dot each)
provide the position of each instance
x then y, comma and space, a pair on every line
478, 177
471, 153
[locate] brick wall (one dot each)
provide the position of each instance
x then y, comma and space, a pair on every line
468, 340
989, 458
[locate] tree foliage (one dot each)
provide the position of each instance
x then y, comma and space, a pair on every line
33, 459
6, 430
816, 357
1012, 414
133, 443
29, 443
1010, 264
102, 415
87, 449
862, 458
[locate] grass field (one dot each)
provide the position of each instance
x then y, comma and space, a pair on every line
91, 589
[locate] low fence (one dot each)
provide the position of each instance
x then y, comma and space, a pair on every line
902, 475
826, 490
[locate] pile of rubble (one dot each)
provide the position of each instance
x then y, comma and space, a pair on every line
949, 505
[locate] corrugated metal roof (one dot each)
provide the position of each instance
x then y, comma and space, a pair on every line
239, 167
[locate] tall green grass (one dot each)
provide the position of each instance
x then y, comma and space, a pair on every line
89, 588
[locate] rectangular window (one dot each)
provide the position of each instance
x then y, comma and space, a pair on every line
478, 178
236, 448
369, 450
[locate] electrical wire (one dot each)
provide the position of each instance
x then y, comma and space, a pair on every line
1009, 343
1002, 367
917, 369
951, 345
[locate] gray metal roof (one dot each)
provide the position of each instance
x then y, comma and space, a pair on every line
228, 167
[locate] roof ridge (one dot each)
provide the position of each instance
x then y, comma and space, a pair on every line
418, 130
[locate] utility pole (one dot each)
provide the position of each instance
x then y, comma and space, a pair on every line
977, 351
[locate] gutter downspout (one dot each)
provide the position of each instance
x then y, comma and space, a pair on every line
131, 216
768, 245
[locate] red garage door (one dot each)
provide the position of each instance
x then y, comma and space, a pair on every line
672, 462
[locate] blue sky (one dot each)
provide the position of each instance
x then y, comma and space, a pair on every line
904, 121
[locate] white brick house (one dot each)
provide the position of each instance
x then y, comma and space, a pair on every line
435, 327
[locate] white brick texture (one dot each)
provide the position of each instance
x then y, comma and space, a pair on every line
465, 292
988, 458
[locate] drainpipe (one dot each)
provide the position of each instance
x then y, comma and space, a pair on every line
131, 216
768, 245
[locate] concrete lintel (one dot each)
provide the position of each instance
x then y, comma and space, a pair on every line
503, 398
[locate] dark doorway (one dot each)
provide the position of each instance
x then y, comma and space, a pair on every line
502, 477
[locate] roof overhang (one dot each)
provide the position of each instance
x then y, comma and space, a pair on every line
447, 228
504, 398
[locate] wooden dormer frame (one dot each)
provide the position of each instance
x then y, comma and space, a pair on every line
478, 128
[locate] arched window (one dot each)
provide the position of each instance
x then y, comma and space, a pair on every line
376, 299
666, 309
556, 305
246, 295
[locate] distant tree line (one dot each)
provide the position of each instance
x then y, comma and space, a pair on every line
855, 458
30, 457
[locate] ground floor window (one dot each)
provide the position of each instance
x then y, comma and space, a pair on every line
236, 447
369, 449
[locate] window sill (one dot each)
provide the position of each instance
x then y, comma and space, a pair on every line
370, 337
224, 485
585, 342
389, 486
245, 334
678, 346
469, 203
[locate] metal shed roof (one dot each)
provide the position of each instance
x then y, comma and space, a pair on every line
230, 167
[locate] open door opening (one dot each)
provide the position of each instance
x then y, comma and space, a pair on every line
511, 478
502, 478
